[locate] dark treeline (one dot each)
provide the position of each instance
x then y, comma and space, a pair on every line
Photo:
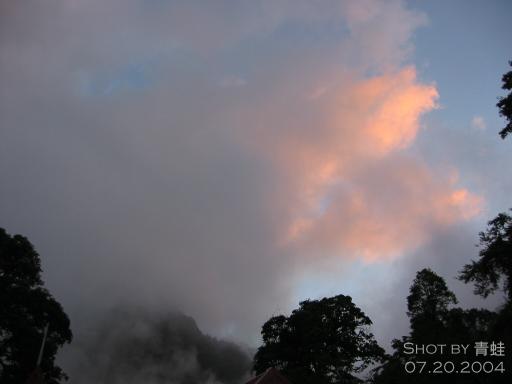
435, 319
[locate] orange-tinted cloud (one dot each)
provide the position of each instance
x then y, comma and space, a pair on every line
390, 208
350, 188
392, 107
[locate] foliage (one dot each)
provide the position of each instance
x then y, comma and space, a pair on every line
505, 104
428, 300
492, 270
434, 322
25, 309
495, 263
323, 341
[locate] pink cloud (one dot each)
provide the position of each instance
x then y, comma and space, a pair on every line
388, 209
347, 187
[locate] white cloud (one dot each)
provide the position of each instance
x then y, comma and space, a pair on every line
478, 122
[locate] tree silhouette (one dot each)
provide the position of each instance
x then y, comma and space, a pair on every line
323, 341
427, 305
26, 308
495, 263
433, 321
492, 268
505, 103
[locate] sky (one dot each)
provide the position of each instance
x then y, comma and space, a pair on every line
229, 159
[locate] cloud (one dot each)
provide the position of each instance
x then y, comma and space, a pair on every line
386, 211
381, 32
133, 346
478, 122
350, 189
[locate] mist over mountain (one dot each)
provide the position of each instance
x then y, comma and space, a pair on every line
136, 346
